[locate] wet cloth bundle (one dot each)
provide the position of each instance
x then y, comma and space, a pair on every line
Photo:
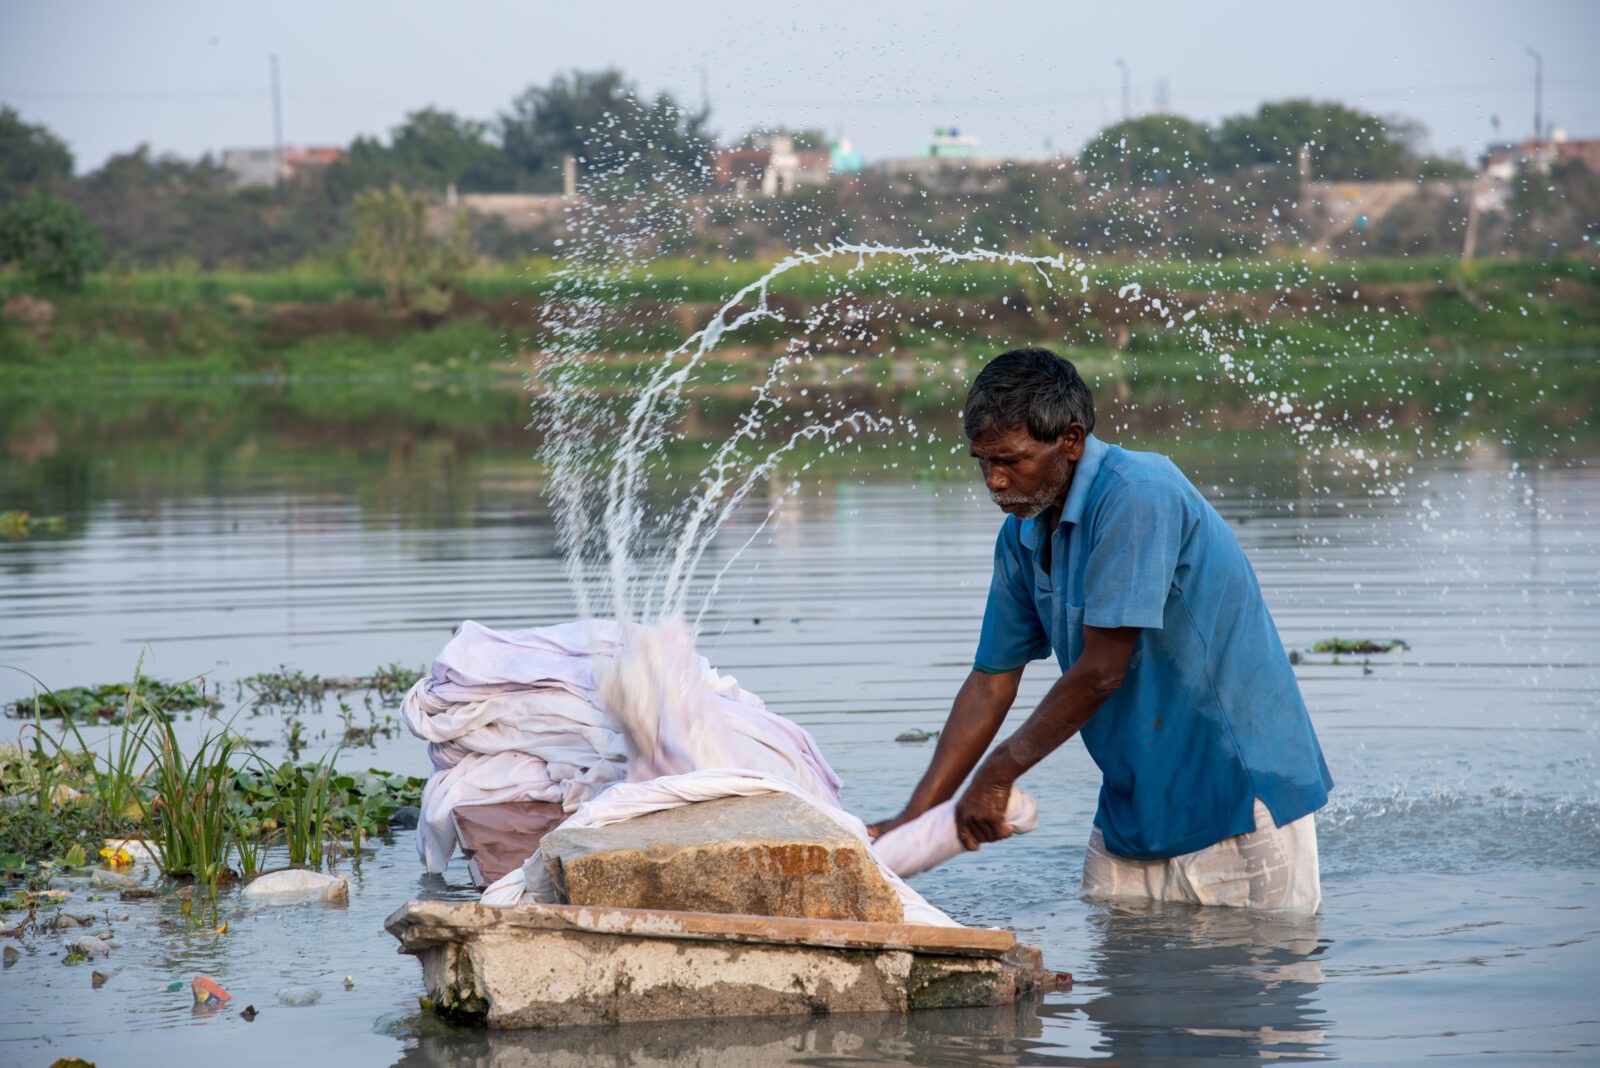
614, 721
518, 716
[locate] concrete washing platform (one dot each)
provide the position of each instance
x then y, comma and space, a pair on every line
543, 966
563, 965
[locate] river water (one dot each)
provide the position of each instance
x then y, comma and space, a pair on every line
1460, 852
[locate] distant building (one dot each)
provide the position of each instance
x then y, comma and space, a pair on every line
949, 144
518, 211
773, 166
949, 164
843, 157
1506, 160
261, 166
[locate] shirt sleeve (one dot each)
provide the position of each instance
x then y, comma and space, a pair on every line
1138, 532
1012, 632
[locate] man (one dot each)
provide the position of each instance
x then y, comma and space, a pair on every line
1172, 670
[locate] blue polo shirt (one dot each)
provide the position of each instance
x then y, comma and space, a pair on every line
1209, 716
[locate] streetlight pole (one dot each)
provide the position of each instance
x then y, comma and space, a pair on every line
1538, 95
277, 125
1122, 63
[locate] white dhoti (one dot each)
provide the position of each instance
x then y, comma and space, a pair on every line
1270, 867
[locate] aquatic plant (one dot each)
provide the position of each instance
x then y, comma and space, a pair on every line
16, 524
283, 688
389, 682
112, 702
1365, 646
308, 826
78, 796
190, 822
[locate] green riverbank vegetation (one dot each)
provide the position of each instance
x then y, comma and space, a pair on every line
325, 351
331, 325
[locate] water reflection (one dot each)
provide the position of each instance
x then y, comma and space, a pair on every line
1180, 984
1174, 985
959, 1036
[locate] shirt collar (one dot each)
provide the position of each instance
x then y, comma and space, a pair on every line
1094, 453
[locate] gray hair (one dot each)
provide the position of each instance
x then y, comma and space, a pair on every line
1032, 388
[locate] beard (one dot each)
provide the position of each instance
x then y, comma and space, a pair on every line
1029, 505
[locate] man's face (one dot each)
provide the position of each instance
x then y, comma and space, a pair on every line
1024, 475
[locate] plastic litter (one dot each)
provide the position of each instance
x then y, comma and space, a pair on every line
298, 885
208, 993
116, 857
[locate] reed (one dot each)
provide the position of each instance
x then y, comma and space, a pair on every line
190, 818
308, 823
116, 776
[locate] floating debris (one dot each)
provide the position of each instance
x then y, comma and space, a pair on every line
208, 993
1364, 646
915, 734
116, 857
295, 884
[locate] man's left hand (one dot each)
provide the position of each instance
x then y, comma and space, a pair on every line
981, 812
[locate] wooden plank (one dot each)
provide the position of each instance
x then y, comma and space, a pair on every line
787, 930
499, 838
424, 923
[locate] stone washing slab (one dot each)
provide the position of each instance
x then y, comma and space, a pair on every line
564, 965
765, 855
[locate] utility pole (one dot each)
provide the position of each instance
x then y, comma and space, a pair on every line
277, 125
1125, 83
1538, 95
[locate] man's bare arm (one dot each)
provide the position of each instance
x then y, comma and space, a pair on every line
1070, 703
975, 717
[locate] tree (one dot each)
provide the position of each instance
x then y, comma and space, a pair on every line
430, 150
49, 240
392, 246
1149, 150
163, 209
621, 141
30, 156
1344, 144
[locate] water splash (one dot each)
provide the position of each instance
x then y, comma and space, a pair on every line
610, 450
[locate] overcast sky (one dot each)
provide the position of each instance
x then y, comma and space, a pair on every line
194, 77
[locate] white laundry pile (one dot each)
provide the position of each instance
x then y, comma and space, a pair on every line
614, 721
